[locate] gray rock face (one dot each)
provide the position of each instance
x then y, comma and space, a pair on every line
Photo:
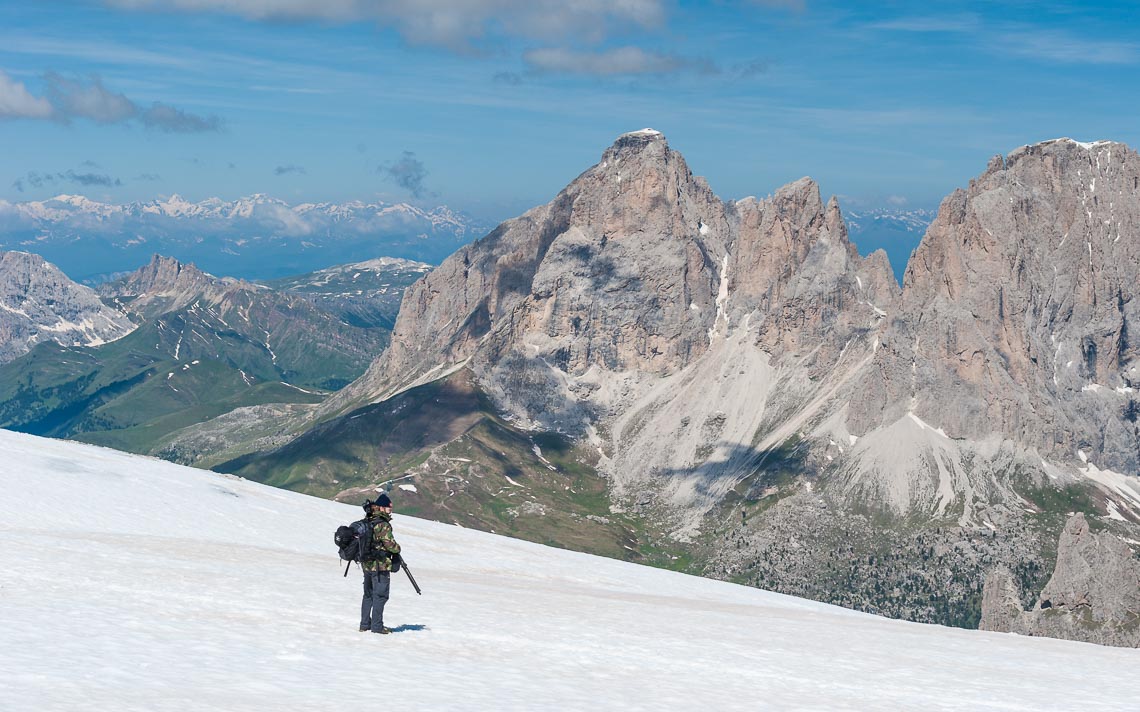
164, 285
634, 280
1017, 307
39, 303
1093, 595
696, 335
606, 274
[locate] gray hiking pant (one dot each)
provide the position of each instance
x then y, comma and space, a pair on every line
376, 585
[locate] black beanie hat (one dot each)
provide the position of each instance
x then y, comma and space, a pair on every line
383, 501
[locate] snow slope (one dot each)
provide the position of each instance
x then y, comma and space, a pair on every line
128, 583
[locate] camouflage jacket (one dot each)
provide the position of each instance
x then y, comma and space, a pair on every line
383, 543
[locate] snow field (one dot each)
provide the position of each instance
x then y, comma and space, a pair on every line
127, 583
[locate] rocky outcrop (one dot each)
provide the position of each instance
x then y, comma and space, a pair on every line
1093, 595
39, 303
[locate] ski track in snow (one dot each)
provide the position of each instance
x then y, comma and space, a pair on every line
180, 589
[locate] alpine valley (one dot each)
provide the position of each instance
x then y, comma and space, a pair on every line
641, 369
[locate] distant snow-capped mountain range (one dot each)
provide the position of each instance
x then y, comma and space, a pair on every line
63, 208
257, 236
912, 221
895, 230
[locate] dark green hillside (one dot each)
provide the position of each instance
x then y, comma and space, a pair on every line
127, 394
203, 347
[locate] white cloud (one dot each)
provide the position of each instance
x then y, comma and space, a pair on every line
89, 100
67, 98
1062, 48
16, 102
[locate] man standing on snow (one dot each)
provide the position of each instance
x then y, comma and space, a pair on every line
378, 566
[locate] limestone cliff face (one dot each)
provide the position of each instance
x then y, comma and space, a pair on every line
1093, 595
799, 277
1017, 307
39, 303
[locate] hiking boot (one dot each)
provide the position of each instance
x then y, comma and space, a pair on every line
364, 629
384, 630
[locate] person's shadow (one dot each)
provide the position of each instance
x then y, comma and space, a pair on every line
409, 627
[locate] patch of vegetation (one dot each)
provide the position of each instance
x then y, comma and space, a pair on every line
1061, 500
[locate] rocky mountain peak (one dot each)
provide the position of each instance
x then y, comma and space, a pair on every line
620, 270
165, 284
39, 303
637, 141
635, 274
162, 276
639, 172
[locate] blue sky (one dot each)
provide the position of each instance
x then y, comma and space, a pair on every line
492, 106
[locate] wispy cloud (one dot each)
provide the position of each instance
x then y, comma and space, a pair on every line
408, 172
879, 119
795, 5
94, 52
1062, 48
509, 78
455, 24
967, 22
1053, 46
748, 70
622, 60
289, 168
68, 98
